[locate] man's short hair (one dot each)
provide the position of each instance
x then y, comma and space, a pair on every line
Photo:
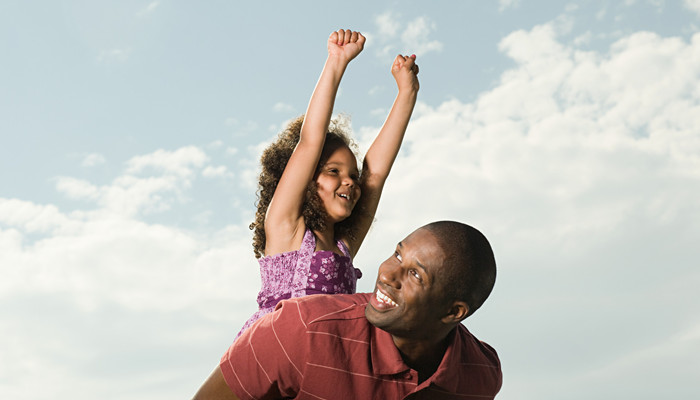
471, 265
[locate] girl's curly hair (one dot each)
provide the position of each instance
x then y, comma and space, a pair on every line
274, 160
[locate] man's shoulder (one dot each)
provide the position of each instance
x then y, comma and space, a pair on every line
475, 349
319, 308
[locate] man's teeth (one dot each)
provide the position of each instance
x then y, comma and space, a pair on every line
385, 299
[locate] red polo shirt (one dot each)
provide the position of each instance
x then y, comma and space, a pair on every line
323, 347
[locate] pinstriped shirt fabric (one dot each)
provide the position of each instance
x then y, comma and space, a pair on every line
323, 347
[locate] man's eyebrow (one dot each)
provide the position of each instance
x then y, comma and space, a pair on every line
422, 266
400, 246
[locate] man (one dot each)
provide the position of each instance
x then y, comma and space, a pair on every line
404, 341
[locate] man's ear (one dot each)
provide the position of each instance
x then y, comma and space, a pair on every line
456, 313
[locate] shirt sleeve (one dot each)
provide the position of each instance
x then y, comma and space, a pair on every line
267, 361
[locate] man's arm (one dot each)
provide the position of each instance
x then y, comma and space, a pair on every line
215, 388
261, 363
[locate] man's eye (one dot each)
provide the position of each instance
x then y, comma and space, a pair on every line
398, 256
416, 274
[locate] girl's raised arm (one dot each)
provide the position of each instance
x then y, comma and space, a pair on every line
382, 153
284, 224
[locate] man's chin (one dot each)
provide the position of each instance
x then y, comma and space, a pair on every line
374, 316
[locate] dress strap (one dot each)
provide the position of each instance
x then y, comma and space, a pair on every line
303, 265
343, 248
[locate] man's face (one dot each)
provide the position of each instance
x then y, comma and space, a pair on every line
408, 299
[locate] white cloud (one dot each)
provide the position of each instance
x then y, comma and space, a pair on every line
693, 5
413, 38
241, 128
572, 7
31, 218
93, 159
282, 107
583, 39
99, 288
114, 55
151, 183
76, 188
220, 171
101, 293
378, 112
601, 13
149, 9
99, 249
506, 4
386, 24
179, 162
375, 90
583, 169
215, 144
148, 185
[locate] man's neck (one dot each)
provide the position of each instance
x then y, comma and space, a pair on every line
423, 356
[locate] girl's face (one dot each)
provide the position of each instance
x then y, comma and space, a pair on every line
338, 185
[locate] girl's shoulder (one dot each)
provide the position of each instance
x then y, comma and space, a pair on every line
280, 239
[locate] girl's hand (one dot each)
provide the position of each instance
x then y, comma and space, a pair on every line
345, 44
405, 71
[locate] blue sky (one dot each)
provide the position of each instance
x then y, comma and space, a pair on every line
566, 132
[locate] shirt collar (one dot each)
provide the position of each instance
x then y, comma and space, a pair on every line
446, 375
386, 359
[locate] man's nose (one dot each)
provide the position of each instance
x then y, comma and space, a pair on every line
389, 274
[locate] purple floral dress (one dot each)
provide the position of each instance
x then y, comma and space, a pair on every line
301, 273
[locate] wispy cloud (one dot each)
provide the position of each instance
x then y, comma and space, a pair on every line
416, 34
282, 107
149, 9
412, 37
241, 127
693, 5
387, 25
77, 188
507, 4
179, 162
93, 159
114, 55
220, 171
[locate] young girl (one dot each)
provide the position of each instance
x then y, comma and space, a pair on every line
314, 206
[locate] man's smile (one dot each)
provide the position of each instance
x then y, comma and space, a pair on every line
383, 300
